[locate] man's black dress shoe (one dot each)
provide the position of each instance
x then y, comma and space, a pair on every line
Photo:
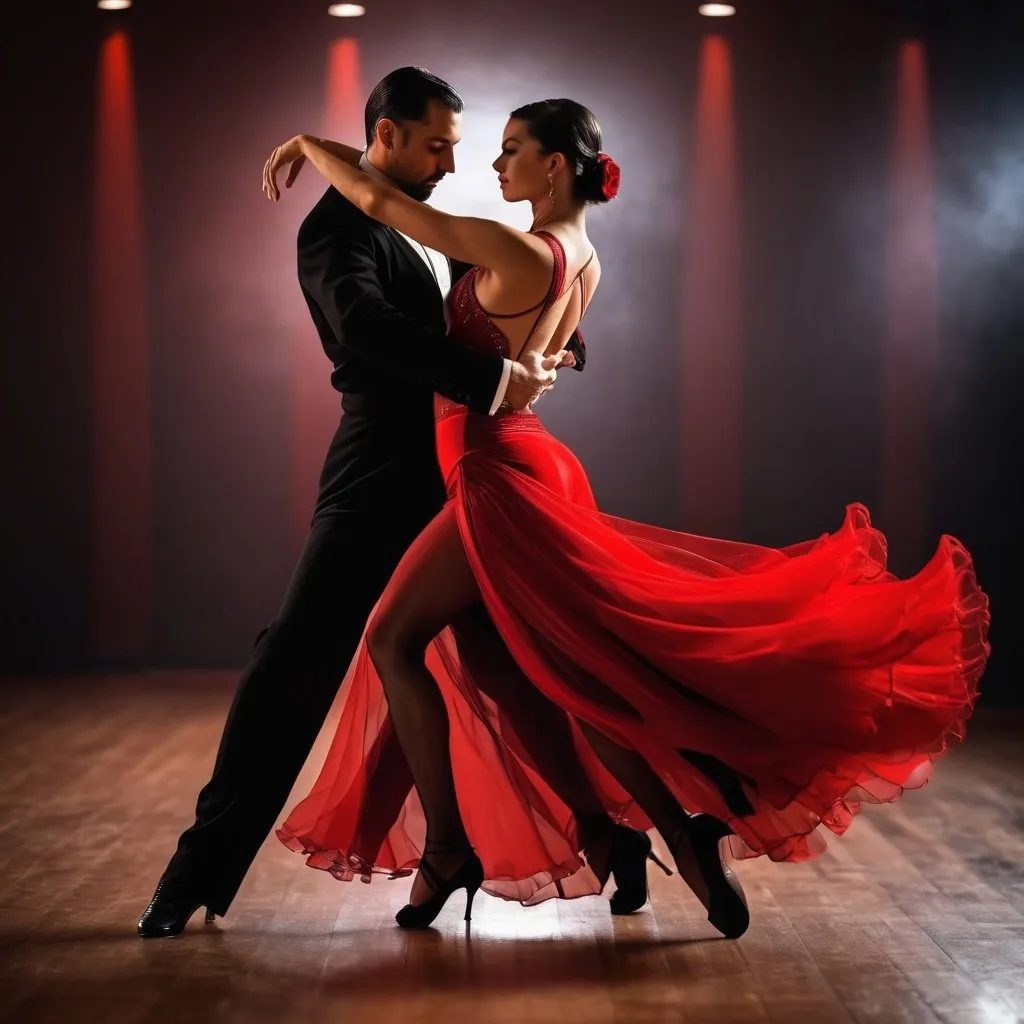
168, 913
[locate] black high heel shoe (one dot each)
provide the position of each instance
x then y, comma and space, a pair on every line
470, 877
727, 904
168, 913
630, 852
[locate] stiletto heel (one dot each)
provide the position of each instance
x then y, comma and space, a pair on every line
630, 851
470, 896
657, 860
470, 876
727, 903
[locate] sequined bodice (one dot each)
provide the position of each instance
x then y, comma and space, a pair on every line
470, 324
467, 321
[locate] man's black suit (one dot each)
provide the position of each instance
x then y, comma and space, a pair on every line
379, 314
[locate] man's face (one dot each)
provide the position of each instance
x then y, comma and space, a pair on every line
422, 152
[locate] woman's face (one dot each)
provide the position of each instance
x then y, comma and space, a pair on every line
522, 169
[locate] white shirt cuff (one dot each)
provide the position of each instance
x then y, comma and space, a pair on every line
499, 396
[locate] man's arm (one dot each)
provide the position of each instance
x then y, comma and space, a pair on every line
340, 272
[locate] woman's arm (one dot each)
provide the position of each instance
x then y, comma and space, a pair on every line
346, 154
289, 153
472, 240
339, 272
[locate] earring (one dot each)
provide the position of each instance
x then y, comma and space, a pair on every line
543, 218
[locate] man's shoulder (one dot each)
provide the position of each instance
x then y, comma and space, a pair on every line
333, 214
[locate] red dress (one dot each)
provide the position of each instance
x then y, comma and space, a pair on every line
819, 678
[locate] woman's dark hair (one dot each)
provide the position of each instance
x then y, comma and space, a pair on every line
404, 94
565, 126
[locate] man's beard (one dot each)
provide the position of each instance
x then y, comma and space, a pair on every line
420, 190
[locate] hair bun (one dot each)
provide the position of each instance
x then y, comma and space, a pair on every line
599, 179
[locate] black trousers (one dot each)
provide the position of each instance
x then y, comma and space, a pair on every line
287, 689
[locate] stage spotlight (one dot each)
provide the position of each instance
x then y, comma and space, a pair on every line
716, 10
346, 10
113, 5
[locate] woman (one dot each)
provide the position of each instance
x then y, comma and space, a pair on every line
767, 692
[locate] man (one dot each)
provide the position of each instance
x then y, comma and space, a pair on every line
376, 299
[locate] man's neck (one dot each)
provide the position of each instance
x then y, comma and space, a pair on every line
377, 156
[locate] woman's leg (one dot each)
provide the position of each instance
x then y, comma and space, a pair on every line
637, 777
432, 586
543, 730
644, 784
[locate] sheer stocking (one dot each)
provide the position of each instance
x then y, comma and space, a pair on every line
432, 587
637, 777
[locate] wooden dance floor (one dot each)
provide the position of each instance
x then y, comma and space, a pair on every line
917, 915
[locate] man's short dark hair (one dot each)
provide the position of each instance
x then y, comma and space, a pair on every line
404, 94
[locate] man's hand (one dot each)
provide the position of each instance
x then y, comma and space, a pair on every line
530, 378
289, 153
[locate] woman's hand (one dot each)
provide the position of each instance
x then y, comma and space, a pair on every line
288, 154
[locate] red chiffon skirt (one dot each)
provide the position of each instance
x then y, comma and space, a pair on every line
819, 678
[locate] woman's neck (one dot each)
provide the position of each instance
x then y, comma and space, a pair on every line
567, 211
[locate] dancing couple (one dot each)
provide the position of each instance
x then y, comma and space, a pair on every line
531, 684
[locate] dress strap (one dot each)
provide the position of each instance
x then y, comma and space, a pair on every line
558, 279
554, 290
512, 316
557, 282
558, 274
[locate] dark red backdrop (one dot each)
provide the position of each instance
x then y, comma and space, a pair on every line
782, 327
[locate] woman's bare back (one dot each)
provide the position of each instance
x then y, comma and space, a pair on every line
515, 301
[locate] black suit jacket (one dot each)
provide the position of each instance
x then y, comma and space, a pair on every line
380, 318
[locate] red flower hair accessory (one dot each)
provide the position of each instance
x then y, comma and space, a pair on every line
610, 176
